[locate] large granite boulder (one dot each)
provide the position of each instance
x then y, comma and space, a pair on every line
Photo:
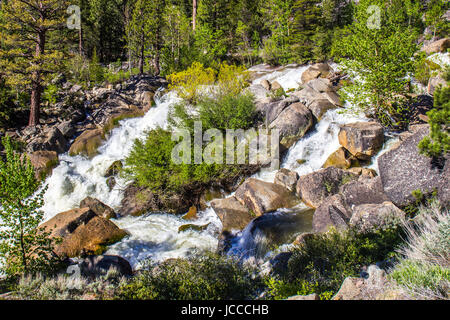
362, 139
51, 140
337, 210
437, 46
313, 188
403, 170
87, 143
233, 214
286, 178
43, 162
320, 106
315, 71
341, 159
82, 232
293, 123
95, 266
139, 200
98, 207
333, 211
370, 217
273, 109
262, 197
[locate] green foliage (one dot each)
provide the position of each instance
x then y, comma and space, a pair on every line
23, 247
207, 277
6, 104
378, 59
437, 144
280, 290
96, 72
189, 83
325, 260
51, 93
424, 68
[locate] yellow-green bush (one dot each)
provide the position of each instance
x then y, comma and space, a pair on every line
188, 83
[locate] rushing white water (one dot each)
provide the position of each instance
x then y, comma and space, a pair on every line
78, 177
156, 236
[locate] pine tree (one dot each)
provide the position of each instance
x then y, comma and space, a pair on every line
24, 248
26, 58
378, 55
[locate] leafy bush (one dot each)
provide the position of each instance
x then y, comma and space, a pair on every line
207, 277
325, 260
51, 93
424, 270
424, 68
437, 144
24, 248
279, 289
228, 111
189, 83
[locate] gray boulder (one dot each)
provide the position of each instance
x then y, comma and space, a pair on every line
293, 123
313, 188
286, 178
403, 170
370, 217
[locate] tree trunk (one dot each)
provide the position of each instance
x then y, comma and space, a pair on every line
36, 86
194, 14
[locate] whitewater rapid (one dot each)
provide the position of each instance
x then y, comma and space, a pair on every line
156, 236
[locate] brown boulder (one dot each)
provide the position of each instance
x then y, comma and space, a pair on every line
87, 143
333, 211
262, 197
43, 162
98, 207
362, 139
82, 232
341, 159
232, 213
437, 46
320, 106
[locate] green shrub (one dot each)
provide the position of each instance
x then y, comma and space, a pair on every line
325, 260
6, 104
437, 144
424, 68
207, 277
51, 93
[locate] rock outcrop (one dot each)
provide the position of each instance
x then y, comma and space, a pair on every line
369, 217
263, 197
313, 188
82, 232
233, 214
362, 139
403, 170
95, 266
98, 207
437, 46
287, 179
337, 210
87, 143
292, 123
43, 162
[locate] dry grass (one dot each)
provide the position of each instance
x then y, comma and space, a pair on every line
424, 271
